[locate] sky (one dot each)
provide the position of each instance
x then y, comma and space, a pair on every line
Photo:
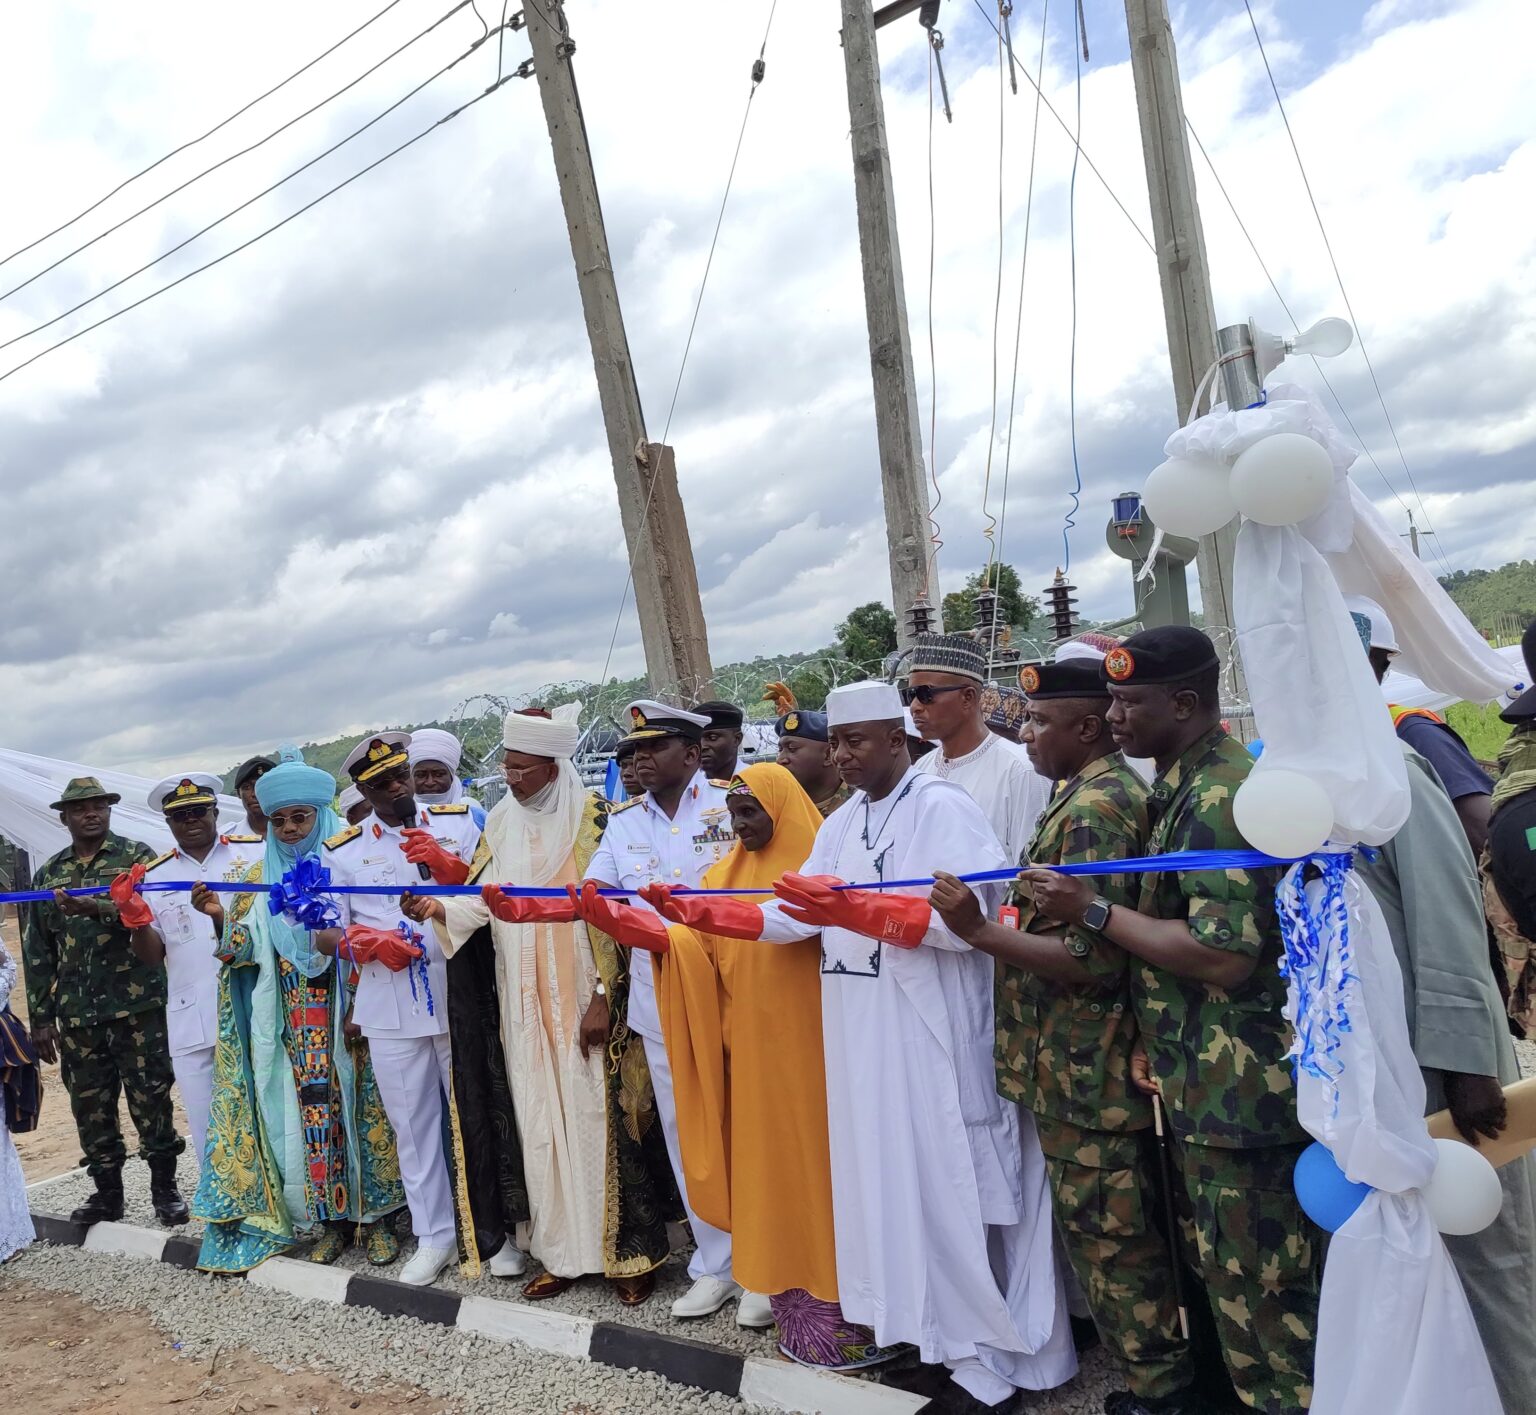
357, 472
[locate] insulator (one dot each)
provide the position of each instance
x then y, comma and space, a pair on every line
1060, 600
920, 617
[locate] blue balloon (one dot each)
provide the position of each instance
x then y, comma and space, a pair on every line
1327, 1195
1257, 746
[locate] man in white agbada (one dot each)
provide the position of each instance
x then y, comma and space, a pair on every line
942, 1213
554, 1012
948, 672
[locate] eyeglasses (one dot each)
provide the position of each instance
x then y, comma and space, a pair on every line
185, 814
514, 774
393, 777
927, 693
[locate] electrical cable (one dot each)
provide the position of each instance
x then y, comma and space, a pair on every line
934, 539
244, 245
1018, 328
1146, 240
758, 71
266, 191
989, 533
1338, 276
21, 250
1069, 522
224, 161
1290, 314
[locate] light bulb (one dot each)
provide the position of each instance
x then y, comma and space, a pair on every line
1326, 339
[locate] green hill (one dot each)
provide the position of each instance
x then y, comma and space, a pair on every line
1499, 602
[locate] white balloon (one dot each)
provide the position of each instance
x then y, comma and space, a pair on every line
1282, 813
1282, 479
1186, 496
1464, 1194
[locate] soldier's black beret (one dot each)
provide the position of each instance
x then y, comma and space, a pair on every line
721, 715
1167, 655
1071, 678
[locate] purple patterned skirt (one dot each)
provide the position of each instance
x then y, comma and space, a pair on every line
814, 1333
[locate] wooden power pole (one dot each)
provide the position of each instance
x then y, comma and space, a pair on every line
897, 429
1188, 308
655, 529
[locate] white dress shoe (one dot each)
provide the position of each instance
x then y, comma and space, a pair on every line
707, 1296
425, 1265
754, 1310
508, 1261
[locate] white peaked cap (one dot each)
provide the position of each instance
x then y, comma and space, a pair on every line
555, 736
863, 702
432, 744
351, 796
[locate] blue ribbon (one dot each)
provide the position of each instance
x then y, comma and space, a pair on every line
1193, 861
298, 896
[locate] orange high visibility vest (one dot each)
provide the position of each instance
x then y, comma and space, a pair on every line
1399, 713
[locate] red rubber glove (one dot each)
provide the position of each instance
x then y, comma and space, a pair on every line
420, 848
623, 923
711, 914
899, 919
362, 943
132, 911
527, 911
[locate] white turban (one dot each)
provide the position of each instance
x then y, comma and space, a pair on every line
432, 744
554, 736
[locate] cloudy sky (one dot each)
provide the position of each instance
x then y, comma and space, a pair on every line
358, 472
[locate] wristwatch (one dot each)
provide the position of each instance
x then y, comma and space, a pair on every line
1096, 915
599, 989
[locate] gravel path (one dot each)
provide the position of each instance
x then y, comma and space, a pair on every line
364, 1349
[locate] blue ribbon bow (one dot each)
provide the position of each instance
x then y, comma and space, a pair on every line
297, 896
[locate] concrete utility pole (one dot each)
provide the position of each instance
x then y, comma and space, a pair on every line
650, 506
1181, 262
897, 429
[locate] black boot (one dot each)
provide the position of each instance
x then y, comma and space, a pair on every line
106, 1204
170, 1207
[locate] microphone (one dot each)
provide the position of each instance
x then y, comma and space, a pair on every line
405, 809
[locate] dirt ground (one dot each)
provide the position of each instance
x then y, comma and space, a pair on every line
54, 1148
63, 1357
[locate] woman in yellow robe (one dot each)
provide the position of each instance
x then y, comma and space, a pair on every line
742, 1022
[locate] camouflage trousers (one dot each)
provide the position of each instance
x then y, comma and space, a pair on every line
1103, 1187
1260, 1258
100, 1060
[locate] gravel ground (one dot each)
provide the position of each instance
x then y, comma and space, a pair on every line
364, 1349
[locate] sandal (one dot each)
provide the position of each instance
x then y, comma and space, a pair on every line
546, 1285
383, 1246
632, 1291
328, 1247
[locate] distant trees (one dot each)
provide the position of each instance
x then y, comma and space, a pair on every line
867, 635
1015, 609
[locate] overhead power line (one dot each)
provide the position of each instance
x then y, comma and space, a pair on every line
277, 225
224, 161
193, 142
1333, 261
202, 231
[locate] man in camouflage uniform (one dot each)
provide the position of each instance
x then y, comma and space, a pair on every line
99, 1011
1208, 996
1066, 1030
806, 755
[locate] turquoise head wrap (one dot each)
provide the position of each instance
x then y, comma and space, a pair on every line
292, 783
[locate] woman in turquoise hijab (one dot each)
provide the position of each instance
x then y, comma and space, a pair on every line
298, 1143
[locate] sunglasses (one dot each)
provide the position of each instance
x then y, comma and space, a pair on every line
927, 693
185, 814
393, 777
514, 774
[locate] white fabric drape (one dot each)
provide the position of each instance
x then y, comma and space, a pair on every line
29, 783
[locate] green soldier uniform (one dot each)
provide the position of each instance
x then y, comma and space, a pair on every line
109, 1008
1219, 1056
1064, 1052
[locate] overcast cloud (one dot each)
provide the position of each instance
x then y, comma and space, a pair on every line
358, 472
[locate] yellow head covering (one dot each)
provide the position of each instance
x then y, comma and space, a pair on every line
795, 823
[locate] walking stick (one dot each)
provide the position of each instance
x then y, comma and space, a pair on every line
1170, 1211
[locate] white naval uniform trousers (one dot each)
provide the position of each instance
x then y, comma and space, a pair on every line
192, 970
407, 1041
642, 846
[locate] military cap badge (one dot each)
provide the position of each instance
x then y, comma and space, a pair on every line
1119, 664
1029, 678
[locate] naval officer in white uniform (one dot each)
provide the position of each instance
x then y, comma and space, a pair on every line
186, 927
671, 835
402, 1010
